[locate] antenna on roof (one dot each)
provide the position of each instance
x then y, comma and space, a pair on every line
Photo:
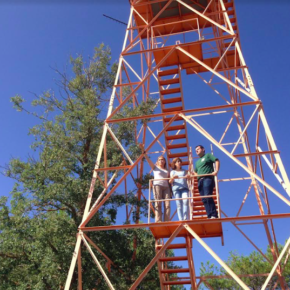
115, 19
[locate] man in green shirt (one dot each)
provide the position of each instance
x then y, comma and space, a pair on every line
204, 166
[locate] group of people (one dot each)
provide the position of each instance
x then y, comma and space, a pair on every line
176, 181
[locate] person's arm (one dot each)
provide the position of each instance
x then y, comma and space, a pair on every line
217, 167
171, 178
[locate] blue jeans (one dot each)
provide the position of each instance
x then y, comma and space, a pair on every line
182, 205
205, 187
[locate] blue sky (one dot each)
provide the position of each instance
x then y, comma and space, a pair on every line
35, 37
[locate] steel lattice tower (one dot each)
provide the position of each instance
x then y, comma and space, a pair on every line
197, 42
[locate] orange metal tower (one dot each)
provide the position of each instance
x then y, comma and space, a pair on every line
197, 42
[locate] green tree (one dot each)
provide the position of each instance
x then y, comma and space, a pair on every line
38, 227
254, 263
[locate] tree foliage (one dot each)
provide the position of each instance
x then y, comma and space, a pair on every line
254, 263
39, 222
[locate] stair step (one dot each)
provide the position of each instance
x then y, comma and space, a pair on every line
170, 91
198, 204
168, 82
174, 109
235, 27
197, 208
204, 217
196, 193
168, 72
175, 128
170, 271
199, 218
173, 246
171, 100
169, 118
199, 213
232, 19
181, 154
199, 200
177, 282
196, 189
214, 198
229, 5
174, 137
227, 44
169, 259
177, 146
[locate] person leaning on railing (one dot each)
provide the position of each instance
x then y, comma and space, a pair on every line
206, 184
178, 181
161, 188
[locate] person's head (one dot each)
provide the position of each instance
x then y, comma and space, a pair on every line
199, 150
176, 163
161, 162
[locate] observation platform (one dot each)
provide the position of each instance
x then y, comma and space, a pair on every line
178, 57
178, 18
203, 230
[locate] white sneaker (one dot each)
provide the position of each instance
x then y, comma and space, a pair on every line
213, 217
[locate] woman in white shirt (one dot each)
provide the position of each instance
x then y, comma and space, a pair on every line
161, 188
179, 188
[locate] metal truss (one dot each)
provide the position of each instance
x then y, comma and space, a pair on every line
167, 41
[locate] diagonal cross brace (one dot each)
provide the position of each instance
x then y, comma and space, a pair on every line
140, 84
215, 142
216, 257
154, 260
217, 74
276, 265
96, 208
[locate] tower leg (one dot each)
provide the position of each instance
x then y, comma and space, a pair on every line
190, 262
80, 282
73, 262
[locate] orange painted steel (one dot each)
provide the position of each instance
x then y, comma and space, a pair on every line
168, 42
189, 222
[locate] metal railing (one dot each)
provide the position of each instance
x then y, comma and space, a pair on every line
190, 197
